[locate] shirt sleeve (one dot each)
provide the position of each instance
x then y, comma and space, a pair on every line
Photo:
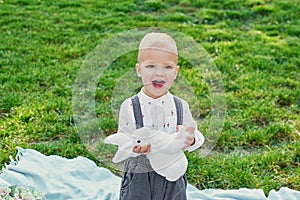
188, 121
126, 118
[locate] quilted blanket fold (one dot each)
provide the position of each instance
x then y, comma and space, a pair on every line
80, 178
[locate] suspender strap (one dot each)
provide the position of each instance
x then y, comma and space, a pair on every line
138, 112
179, 110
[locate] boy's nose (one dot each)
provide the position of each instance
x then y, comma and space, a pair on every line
159, 71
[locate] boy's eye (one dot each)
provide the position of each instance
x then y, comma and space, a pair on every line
149, 66
168, 67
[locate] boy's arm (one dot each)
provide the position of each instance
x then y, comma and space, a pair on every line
189, 122
126, 123
199, 140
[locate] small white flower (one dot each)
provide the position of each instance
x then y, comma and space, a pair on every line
20, 193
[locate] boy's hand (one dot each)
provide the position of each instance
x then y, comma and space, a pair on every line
142, 149
190, 140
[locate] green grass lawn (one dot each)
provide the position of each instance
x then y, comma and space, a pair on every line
254, 44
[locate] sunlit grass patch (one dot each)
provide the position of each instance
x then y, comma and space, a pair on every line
254, 44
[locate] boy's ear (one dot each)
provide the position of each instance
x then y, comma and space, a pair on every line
176, 70
138, 69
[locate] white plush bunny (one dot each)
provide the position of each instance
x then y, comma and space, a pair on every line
166, 157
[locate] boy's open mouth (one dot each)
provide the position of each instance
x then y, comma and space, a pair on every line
158, 84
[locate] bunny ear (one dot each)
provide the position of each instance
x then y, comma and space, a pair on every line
124, 143
121, 155
117, 139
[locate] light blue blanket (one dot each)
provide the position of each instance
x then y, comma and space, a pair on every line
80, 178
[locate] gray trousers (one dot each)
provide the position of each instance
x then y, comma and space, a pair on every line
140, 182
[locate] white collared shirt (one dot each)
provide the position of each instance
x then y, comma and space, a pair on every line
159, 114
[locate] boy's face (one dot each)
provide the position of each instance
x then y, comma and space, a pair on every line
158, 70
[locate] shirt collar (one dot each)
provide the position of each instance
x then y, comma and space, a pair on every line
146, 98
